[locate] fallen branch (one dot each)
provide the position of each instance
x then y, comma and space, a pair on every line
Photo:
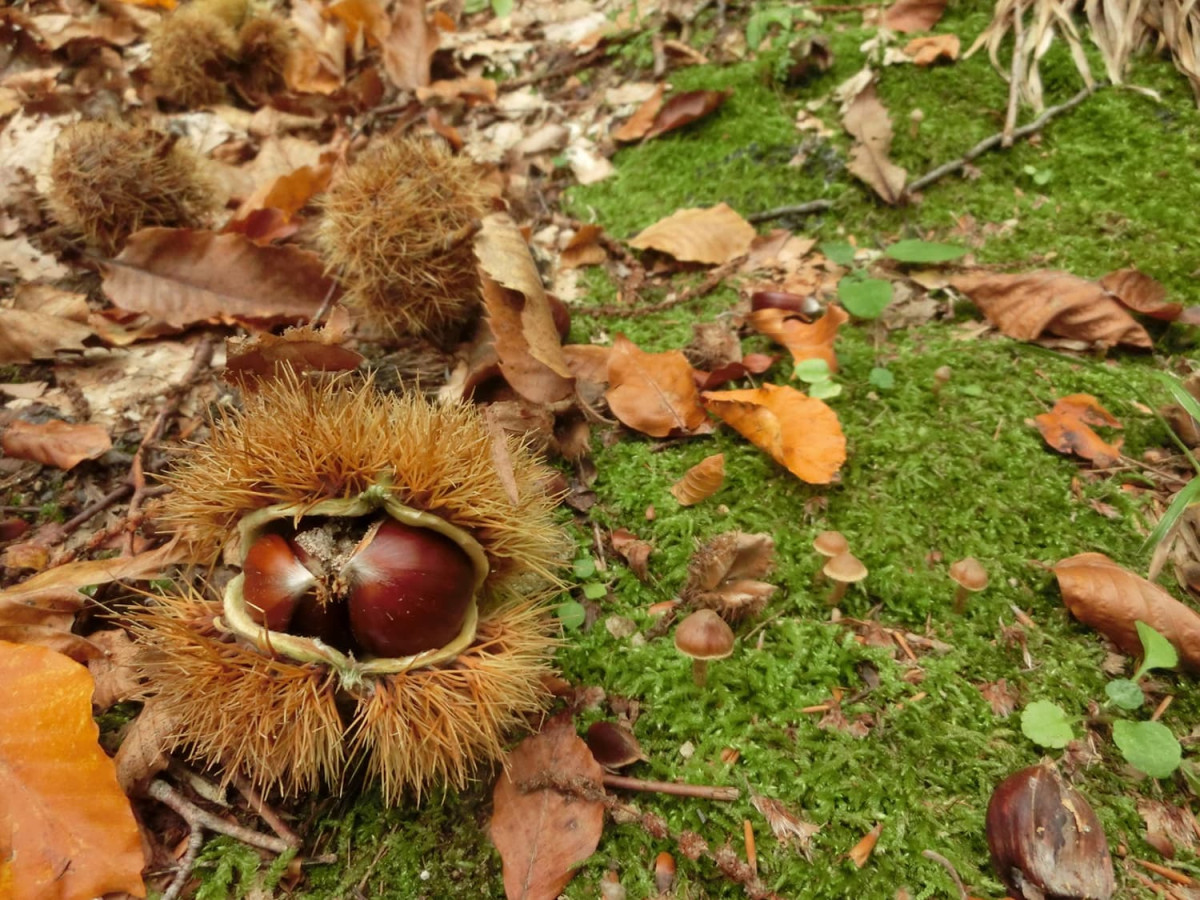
702, 791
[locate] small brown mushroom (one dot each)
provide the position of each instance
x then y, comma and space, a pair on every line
970, 576
703, 636
844, 569
830, 543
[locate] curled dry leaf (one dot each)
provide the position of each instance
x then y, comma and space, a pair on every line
116, 677
684, 109
1111, 599
861, 852
804, 340
181, 276
520, 315
925, 51
1065, 428
584, 249
66, 827
143, 751
701, 481
26, 335
1144, 295
750, 364
642, 120
913, 15
55, 443
712, 236
635, 551
543, 833
300, 350
789, 829
409, 41
654, 392
1027, 306
868, 121
724, 575
799, 432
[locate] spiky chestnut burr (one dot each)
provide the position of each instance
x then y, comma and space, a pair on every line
193, 51
397, 233
342, 465
108, 180
264, 47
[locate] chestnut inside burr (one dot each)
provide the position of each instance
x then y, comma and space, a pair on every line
367, 586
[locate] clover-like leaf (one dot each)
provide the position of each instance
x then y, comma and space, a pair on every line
924, 252
1046, 724
1148, 746
865, 298
1124, 693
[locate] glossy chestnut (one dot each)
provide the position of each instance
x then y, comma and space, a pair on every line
274, 581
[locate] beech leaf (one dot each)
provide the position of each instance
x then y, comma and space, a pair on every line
66, 827
1111, 599
1065, 428
1144, 295
913, 15
684, 109
543, 833
642, 120
701, 481
654, 393
724, 574
868, 121
55, 443
1027, 306
181, 276
713, 236
26, 335
802, 339
799, 432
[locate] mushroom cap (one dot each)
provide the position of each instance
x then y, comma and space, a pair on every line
969, 573
704, 635
845, 567
831, 543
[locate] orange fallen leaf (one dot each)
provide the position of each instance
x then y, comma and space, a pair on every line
1027, 306
799, 432
642, 120
913, 15
861, 852
181, 276
55, 443
542, 833
701, 481
925, 51
750, 364
802, 339
1065, 428
289, 193
684, 109
1112, 600
712, 236
584, 249
654, 392
66, 827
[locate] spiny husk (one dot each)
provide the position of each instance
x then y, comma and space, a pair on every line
264, 46
298, 442
397, 232
278, 722
109, 180
192, 54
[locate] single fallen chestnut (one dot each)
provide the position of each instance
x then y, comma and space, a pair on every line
1045, 839
390, 615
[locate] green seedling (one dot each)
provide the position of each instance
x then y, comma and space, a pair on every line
815, 373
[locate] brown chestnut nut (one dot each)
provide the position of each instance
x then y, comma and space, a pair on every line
1046, 840
409, 589
329, 621
274, 580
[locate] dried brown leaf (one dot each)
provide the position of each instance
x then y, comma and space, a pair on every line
635, 551
180, 276
723, 575
408, 45
53, 637
861, 852
925, 51
1111, 599
298, 350
1000, 697
654, 392
143, 751
712, 236
519, 312
750, 364
55, 443
868, 121
642, 120
804, 340
701, 481
1065, 428
1144, 295
684, 109
543, 833
584, 249
114, 672
799, 432
789, 829
28, 335
913, 15
1027, 306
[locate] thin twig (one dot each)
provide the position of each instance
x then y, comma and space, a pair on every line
703, 791
199, 819
183, 871
265, 812
994, 141
798, 209
949, 867
100, 505
711, 282
1014, 84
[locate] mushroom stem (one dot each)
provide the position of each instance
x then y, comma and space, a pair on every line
838, 592
700, 671
960, 600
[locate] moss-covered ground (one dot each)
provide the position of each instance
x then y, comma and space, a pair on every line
931, 477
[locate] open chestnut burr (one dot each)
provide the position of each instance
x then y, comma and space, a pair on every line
390, 615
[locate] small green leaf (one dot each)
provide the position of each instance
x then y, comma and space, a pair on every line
1046, 724
502, 8
594, 590
584, 567
1042, 177
882, 378
1124, 693
1158, 651
924, 252
824, 390
1148, 746
972, 390
811, 371
838, 252
864, 297
571, 614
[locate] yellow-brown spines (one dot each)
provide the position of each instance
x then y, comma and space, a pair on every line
108, 180
398, 234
